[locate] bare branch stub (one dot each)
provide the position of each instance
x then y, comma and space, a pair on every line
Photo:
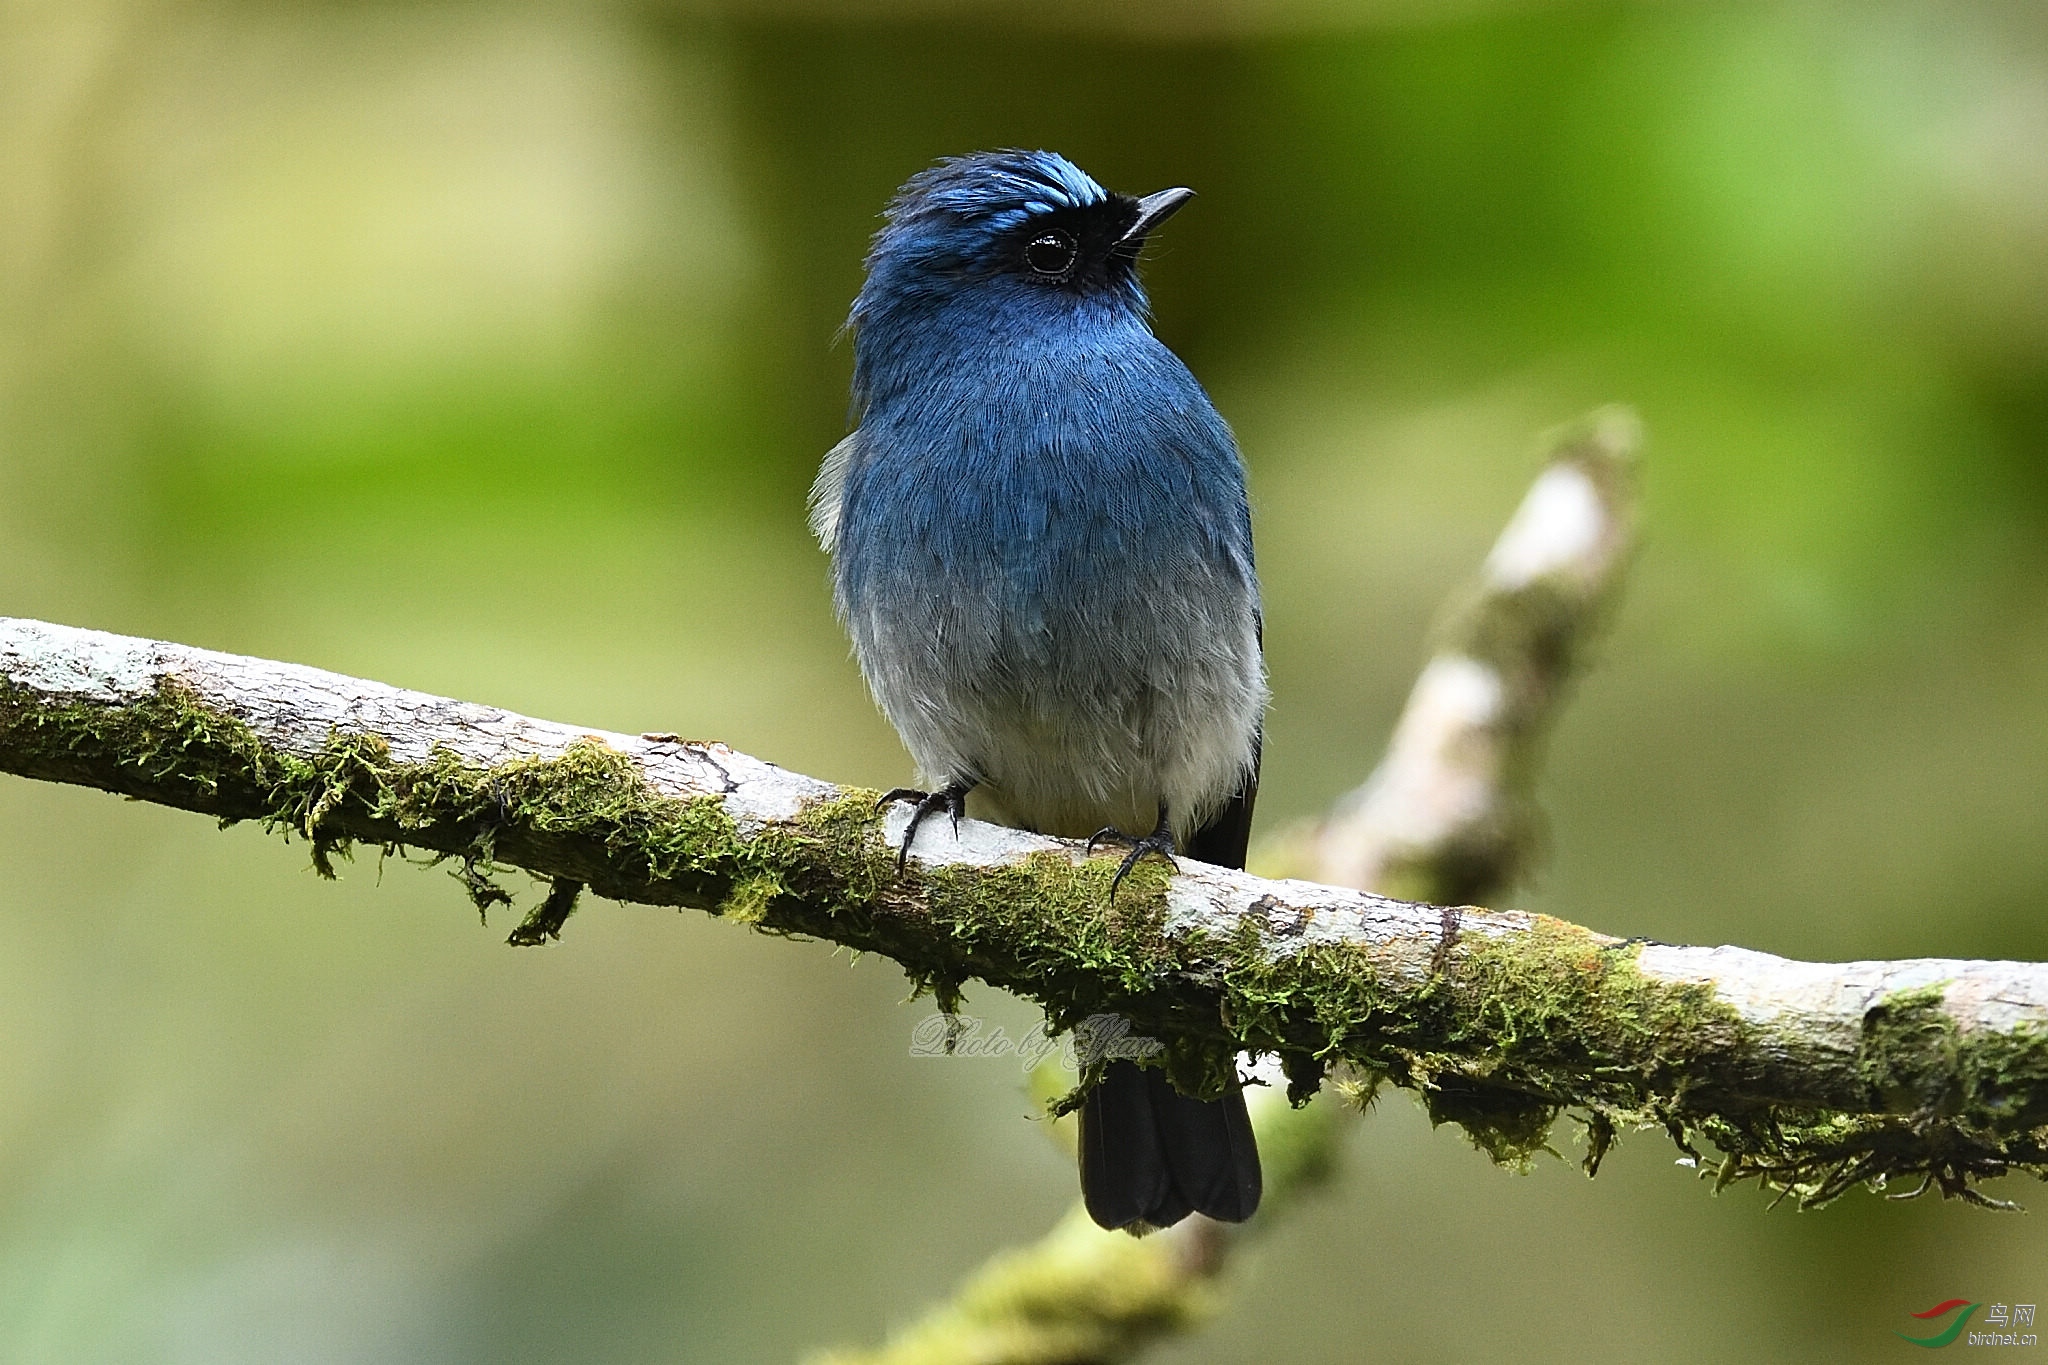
1450, 814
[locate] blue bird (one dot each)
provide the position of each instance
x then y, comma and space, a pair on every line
1042, 551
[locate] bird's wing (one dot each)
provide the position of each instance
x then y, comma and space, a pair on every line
1225, 838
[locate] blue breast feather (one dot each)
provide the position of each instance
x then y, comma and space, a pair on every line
1043, 554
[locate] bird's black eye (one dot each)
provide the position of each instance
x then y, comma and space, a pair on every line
1051, 253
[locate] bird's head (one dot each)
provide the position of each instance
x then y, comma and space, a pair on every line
1015, 220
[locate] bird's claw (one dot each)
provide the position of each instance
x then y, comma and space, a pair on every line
1159, 841
952, 800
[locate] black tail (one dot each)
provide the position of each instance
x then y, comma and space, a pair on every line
1150, 1156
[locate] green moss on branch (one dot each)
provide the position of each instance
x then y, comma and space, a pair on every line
1510, 1030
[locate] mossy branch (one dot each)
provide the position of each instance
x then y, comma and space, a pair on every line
1083, 1296
1813, 1075
1809, 1076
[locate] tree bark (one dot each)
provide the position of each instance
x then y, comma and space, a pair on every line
1814, 1075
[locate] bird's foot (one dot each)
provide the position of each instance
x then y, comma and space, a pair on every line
951, 799
1159, 841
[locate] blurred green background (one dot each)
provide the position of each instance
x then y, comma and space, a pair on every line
487, 349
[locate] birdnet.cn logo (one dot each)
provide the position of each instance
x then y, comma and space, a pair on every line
2001, 1325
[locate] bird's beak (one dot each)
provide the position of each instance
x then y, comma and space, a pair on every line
1153, 210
